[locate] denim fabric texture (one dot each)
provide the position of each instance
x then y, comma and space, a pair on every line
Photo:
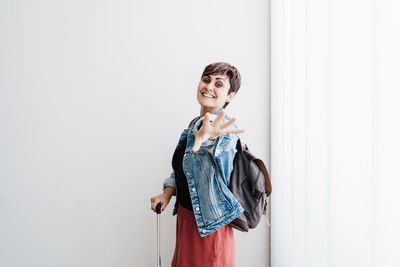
214, 205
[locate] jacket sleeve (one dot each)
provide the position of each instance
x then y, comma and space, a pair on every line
170, 181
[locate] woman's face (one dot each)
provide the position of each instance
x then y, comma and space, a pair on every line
212, 92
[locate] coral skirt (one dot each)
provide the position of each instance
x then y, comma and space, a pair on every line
191, 250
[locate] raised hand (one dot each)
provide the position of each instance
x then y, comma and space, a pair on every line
213, 129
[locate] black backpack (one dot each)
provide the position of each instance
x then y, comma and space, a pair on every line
251, 185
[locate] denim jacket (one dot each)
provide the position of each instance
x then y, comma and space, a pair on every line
214, 205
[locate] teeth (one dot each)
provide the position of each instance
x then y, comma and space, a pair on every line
207, 95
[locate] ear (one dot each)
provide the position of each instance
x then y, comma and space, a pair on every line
230, 97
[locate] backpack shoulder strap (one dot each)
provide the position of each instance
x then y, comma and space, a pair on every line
191, 123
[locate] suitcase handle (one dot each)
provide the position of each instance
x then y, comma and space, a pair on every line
158, 208
158, 211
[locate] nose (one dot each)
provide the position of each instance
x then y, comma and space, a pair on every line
209, 87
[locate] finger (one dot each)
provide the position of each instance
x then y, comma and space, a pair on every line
154, 204
234, 131
196, 146
206, 119
164, 205
198, 141
220, 117
228, 123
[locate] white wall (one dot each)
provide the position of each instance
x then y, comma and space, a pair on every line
93, 97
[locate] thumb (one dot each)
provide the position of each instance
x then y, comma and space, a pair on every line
196, 145
197, 142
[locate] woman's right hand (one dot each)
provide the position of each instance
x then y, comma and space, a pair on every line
162, 198
213, 129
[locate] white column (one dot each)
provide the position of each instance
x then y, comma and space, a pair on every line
334, 132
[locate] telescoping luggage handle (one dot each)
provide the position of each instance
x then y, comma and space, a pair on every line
158, 211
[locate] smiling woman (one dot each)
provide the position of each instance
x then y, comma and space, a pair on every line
212, 92
205, 206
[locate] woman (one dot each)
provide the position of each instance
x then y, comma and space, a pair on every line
202, 164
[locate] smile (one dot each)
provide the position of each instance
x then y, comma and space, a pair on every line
207, 95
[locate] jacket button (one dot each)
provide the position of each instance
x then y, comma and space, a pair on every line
194, 189
188, 173
197, 209
204, 231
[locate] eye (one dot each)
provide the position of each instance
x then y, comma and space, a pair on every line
206, 80
219, 84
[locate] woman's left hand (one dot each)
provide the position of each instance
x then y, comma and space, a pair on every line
213, 129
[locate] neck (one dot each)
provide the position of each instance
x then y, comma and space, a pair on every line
204, 110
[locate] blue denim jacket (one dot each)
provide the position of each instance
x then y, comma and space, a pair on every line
214, 205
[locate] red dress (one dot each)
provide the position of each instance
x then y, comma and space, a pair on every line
191, 250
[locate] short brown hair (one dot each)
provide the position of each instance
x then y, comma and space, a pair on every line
225, 68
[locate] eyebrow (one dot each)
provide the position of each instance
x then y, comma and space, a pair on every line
215, 78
